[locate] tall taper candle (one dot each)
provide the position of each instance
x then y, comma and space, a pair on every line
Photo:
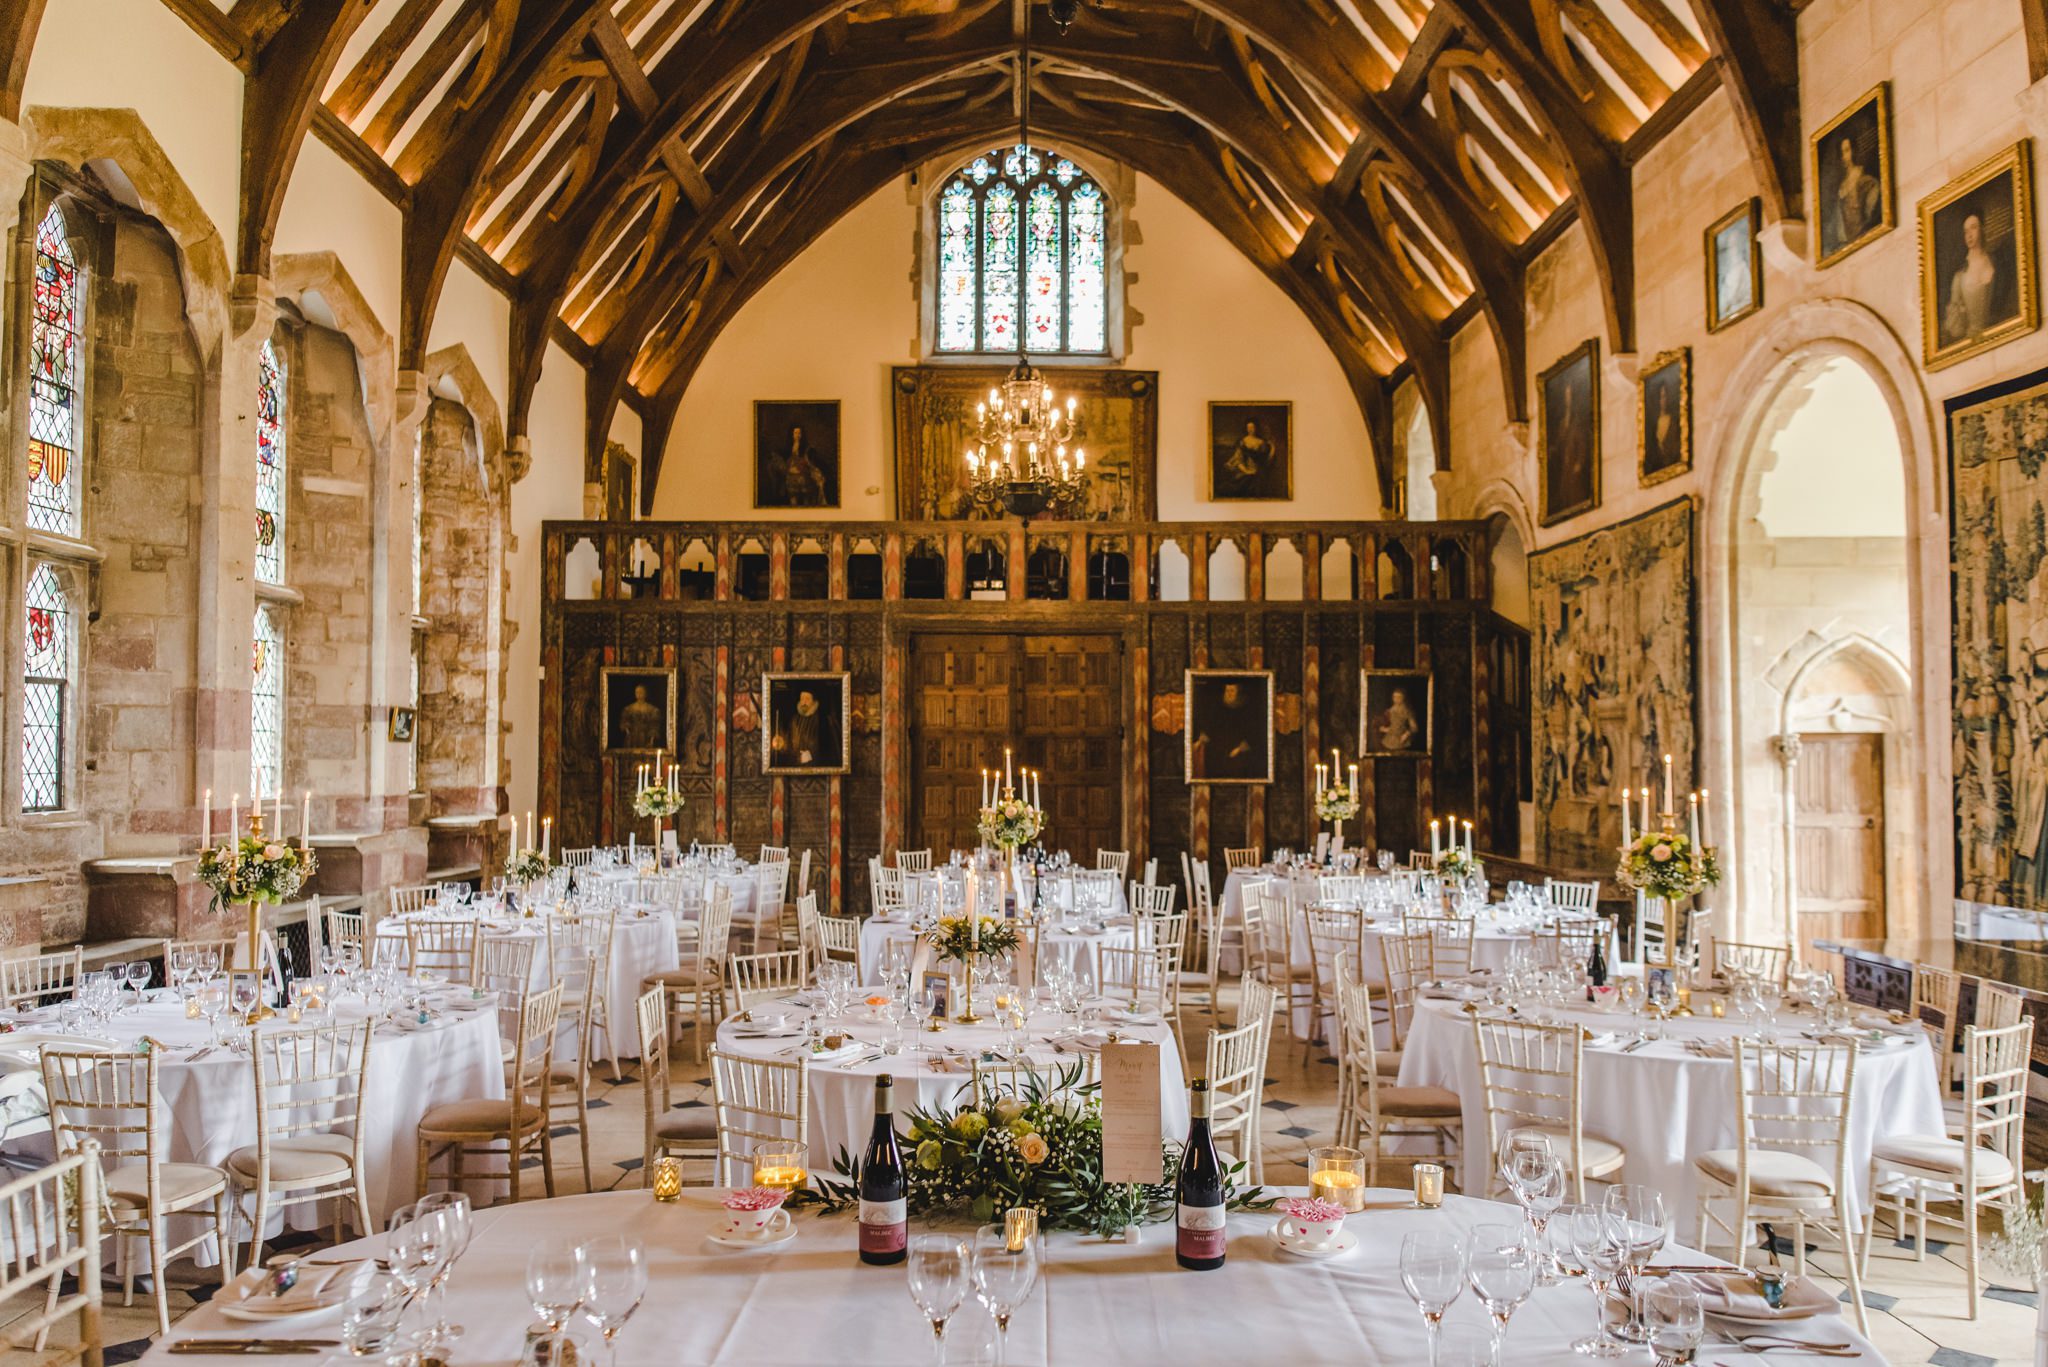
1626, 836
234, 818
1703, 817
1468, 840
1646, 808
1435, 847
306, 819
206, 819
1670, 809
529, 832
1320, 771
1354, 783
1009, 778
547, 832
1692, 802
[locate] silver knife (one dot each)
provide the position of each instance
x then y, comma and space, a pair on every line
253, 1347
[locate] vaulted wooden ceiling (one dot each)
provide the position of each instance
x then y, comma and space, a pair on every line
637, 169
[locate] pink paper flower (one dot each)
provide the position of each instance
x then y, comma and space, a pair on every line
1314, 1210
756, 1198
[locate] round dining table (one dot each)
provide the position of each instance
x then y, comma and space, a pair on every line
1077, 946
931, 1068
1668, 1099
209, 1092
809, 1300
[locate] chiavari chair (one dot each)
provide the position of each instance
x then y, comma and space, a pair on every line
310, 1137
759, 1102
690, 1134
1367, 1103
51, 1233
507, 1128
1531, 1077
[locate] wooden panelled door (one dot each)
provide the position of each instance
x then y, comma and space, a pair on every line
1056, 699
1839, 837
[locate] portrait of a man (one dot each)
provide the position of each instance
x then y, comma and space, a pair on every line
803, 723
1568, 441
1664, 417
1735, 285
1229, 736
639, 708
1977, 259
1395, 708
1251, 455
796, 454
1852, 175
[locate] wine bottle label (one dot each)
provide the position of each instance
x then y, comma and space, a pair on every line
1202, 1232
884, 1226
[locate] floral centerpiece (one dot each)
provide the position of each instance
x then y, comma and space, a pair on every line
964, 940
1040, 1148
527, 866
1010, 822
253, 869
657, 800
1668, 865
1336, 803
1455, 865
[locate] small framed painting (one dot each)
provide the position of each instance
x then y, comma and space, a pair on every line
401, 728
796, 453
1664, 417
1735, 267
1568, 434
803, 723
639, 708
1977, 259
1251, 452
936, 992
1852, 177
1229, 735
1394, 713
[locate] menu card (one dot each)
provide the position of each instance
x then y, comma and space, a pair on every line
1130, 1112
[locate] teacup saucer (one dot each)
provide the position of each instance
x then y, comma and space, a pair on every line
737, 1241
1343, 1243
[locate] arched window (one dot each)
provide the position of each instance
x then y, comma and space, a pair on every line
266, 707
1022, 240
45, 692
270, 486
53, 382
419, 516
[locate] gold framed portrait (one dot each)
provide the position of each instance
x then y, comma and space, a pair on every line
1735, 266
1396, 713
1977, 287
1228, 735
639, 707
1851, 165
1664, 417
804, 723
1568, 434
1251, 451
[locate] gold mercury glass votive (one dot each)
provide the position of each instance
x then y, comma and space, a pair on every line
668, 1179
1337, 1174
192, 1008
1020, 1227
1717, 1007
1429, 1185
780, 1167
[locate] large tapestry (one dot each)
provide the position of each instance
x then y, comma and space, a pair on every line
1118, 413
1997, 443
1613, 676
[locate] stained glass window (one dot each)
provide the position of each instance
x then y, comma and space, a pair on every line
419, 518
266, 706
53, 382
44, 694
1022, 253
270, 486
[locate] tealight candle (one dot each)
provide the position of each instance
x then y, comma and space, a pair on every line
1429, 1185
1337, 1174
1717, 1007
668, 1179
192, 1008
783, 1168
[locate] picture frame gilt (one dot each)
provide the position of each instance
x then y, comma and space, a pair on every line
1568, 434
1735, 265
1228, 735
638, 707
1851, 165
1251, 451
806, 723
1664, 417
1977, 285
1396, 713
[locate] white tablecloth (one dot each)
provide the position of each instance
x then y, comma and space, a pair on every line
211, 1103
930, 1073
1079, 948
811, 1301
642, 945
1664, 1105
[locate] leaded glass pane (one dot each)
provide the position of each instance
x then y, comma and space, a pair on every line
1087, 280
956, 268
1042, 270
48, 678
270, 486
53, 382
1021, 163
266, 707
999, 269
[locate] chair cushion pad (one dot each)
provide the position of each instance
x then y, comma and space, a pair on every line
1928, 1153
128, 1185
1772, 1172
1597, 1155
1416, 1103
478, 1117
302, 1158
694, 1122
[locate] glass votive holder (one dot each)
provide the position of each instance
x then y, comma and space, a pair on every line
1337, 1174
1717, 1007
1429, 1185
667, 1178
780, 1166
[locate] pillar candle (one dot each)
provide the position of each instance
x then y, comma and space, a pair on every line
206, 819
1626, 836
1434, 847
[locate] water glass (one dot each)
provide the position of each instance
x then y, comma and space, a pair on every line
369, 1319
555, 1281
1637, 1216
1003, 1273
1502, 1276
938, 1277
1600, 1255
1672, 1312
614, 1283
1433, 1272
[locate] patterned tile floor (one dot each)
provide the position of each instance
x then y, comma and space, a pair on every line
1917, 1310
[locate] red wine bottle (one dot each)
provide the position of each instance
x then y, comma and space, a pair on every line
884, 1186
1200, 1234
1596, 966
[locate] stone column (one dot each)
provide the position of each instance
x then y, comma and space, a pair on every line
1787, 748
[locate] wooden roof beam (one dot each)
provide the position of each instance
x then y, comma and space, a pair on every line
19, 20
1756, 43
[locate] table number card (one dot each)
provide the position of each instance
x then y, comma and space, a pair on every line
1130, 1113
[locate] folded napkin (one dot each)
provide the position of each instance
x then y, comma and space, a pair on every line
317, 1288
1739, 1295
846, 1050
1711, 1048
1601, 1039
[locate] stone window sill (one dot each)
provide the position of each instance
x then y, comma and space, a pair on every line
279, 593
53, 821
56, 547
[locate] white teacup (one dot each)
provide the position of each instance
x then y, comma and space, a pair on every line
757, 1224
1310, 1223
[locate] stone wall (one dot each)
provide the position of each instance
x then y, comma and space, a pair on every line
463, 595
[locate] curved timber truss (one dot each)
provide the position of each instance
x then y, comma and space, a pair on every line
634, 170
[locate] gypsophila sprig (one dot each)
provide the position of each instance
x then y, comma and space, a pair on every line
1336, 803
953, 937
1010, 823
1456, 866
2021, 1246
527, 865
657, 800
252, 870
1667, 864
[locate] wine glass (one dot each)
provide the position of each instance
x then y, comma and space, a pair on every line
453, 1208
1502, 1274
1636, 1214
1599, 1254
938, 1281
554, 1281
614, 1282
1537, 1175
1433, 1271
1675, 1321
1003, 1277
421, 1246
